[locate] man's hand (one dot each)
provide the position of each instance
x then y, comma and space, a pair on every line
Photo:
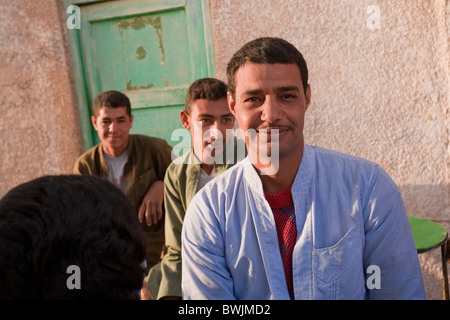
151, 206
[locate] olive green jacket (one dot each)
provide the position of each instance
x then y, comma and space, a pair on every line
147, 162
180, 186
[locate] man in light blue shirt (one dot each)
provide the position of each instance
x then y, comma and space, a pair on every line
293, 221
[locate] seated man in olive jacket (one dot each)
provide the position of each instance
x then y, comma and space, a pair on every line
208, 118
134, 163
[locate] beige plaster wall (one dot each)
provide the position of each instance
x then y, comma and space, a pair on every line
39, 128
382, 94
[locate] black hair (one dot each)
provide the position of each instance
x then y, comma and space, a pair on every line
266, 50
53, 222
205, 88
111, 99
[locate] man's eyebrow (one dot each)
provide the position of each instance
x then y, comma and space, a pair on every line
251, 92
118, 118
278, 89
288, 88
205, 115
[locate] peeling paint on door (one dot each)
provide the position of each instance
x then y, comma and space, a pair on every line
140, 23
137, 87
141, 53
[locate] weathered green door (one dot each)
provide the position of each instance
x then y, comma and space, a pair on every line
149, 49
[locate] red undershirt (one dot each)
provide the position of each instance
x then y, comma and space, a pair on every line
284, 213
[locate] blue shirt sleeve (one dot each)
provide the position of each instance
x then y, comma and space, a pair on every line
205, 274
389, 245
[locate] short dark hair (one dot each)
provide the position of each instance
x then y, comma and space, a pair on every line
205, 88
266, 50
53, 222
111, 99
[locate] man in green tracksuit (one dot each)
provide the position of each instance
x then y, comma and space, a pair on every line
207, 117
134, 163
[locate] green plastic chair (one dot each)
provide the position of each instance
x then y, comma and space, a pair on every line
429, 235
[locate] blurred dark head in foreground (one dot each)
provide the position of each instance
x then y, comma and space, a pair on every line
69, 237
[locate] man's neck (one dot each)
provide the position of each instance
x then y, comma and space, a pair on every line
285, 176
208, 168
115, 152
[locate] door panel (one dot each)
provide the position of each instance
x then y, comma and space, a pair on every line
150, 50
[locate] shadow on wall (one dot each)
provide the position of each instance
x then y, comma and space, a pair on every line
430, 202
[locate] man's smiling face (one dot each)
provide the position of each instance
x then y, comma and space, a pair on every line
271, 96
113, 126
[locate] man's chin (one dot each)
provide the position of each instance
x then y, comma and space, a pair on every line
212, 154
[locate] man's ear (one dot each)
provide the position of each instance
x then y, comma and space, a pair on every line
308, 96
131, 120
94, 123
231, 103
184, 118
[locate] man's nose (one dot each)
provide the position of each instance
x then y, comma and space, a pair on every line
214, 131
271, 111
112, 126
